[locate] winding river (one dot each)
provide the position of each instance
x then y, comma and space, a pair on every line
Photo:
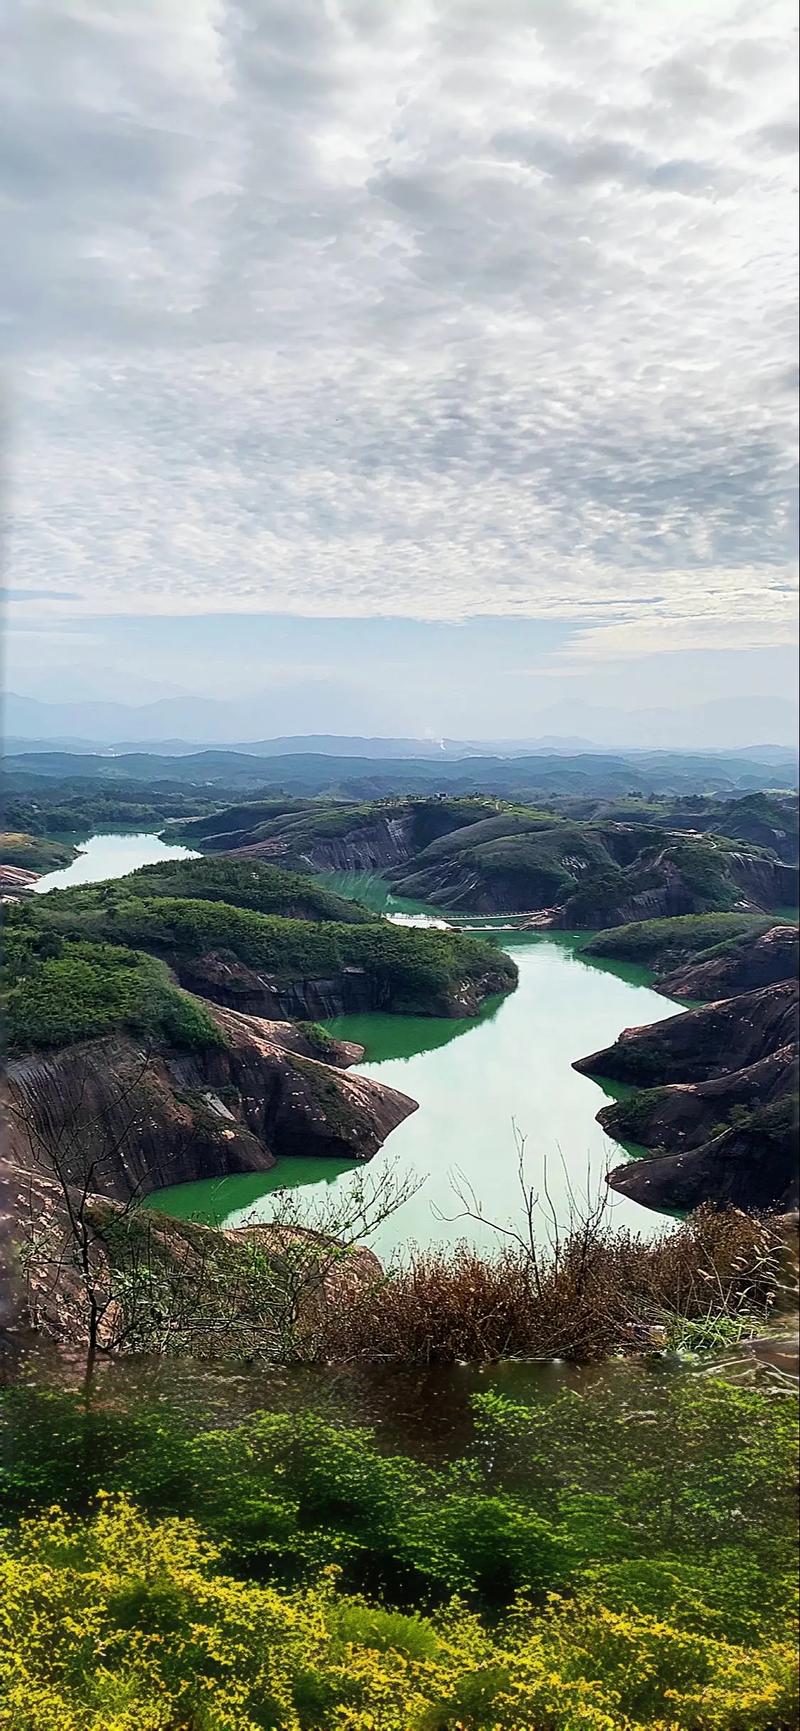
482, 1085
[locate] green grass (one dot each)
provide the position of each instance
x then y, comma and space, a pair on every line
664, 944
34, 852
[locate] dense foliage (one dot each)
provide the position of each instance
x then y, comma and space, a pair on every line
244, 883
664, 944
412, 970
288, 1573
72, 804
56, 992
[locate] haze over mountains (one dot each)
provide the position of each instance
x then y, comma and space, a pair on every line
184, 724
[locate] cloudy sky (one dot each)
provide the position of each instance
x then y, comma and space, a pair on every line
428, 360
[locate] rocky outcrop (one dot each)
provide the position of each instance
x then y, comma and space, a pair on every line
255, 992
295, 1104
752, 1167
688, 1114
764, 882
724, 1127
481, 856
111, 1121
160, 1283
386, 840
146, 1119
350, 991
669, 883
698, 1044
16, 880
764, 959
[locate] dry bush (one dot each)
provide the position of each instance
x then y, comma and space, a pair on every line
592, 1293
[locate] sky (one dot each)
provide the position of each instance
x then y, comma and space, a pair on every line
421, 368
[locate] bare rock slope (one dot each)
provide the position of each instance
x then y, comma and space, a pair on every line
716, 1103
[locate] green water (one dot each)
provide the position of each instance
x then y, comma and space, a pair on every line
111, 855
474, 1082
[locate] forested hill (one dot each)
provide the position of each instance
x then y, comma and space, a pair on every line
485, 855
316, 773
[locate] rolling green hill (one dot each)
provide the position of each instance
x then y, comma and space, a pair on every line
86, 960
491, 856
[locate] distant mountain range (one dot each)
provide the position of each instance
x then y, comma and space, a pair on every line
523, 776
180, 726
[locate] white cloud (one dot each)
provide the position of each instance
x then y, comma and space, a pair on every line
433, 310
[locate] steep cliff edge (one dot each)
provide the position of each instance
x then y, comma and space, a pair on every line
110, 1121
740, 966
698, 1044
148, 1117
753, 1166
688, 1114
716, 1103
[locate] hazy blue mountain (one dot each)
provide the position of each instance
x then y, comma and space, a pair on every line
176, 725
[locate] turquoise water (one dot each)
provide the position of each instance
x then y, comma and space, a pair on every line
111, 856
480, 1086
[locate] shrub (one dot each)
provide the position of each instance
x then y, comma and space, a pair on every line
87, 990
599, 1292
118, 1624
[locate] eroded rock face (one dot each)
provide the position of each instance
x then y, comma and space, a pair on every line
688, 1114
350, 991
292, 1103
112, 1121
724, 1127
748, 1168
698, 1044
255, 992
387, 840
147, 1269
762, 960
150, 1119
16, 879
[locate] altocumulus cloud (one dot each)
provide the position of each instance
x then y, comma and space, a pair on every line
435, 310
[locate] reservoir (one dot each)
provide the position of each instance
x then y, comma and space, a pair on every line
484, 1086
481, 1085
110, 856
